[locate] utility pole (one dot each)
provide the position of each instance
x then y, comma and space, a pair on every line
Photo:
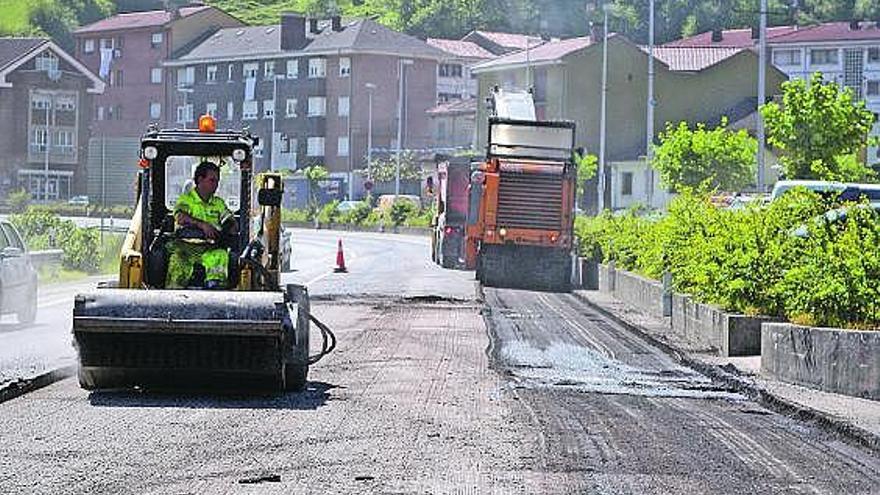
649, 124
601, 201
762, 76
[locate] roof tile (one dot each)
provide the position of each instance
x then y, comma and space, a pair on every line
458, 48
135, 20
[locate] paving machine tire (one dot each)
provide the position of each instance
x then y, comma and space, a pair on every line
525, 267
204, 340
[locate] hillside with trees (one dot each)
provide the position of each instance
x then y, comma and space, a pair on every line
453, 19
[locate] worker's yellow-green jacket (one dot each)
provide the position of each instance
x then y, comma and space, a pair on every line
184, 255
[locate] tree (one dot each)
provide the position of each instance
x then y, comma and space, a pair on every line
587, 165
385, 169
717, 158
315, 174
816, 127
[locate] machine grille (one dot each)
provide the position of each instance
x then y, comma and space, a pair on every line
530, 201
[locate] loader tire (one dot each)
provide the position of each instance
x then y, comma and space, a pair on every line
295, 377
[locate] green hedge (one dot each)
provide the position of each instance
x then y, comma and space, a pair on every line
43, 229
749, 260
401, 213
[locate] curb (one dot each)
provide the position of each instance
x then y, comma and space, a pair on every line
749, 388
26, 385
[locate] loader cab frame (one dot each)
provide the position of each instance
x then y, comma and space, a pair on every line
157, 146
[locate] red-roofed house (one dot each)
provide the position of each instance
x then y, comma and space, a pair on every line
845, 52
501, 43
454, 80
127, 51
693, 84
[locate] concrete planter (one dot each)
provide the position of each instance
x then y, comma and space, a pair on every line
647, 295
702, 326
840, 361
709, 328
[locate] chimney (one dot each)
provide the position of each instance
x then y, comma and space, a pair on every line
717, 35
293, 31
336, 23
854, 25
597, 34
313, 26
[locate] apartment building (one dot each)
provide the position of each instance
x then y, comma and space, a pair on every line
45, 115
309, 86
127, 51
454, 78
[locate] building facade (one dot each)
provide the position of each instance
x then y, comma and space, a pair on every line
45, 119
691, 84
127, 52
847, 53
454, 78
309, 88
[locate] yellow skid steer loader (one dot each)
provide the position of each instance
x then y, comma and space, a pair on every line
249, 335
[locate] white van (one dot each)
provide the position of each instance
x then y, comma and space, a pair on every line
819, 186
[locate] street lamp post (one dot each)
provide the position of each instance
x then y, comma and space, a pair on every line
370, 87
273, 155
649, 124
762, 76
601, 201
400, 64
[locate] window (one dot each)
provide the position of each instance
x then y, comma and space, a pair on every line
344, 67
211, 109
626, 184
268, 109
47, 61
99, 112
156, 75
823, 57
230, 111
269, 69
186, 76
106, 43
229, 72
156, 39
184, 113
342, 146
155, 110
249, 71
88, 46
317, 106
873, 88
317, 68
211, 74
315, 146
291, 107
38, 139
65, 103
40, 102
287, 145
249, 110
343, 106
116, 78
449, 70
874, 55
787, 57
64, 142
292, 69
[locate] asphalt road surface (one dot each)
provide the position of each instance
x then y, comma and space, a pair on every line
432, 391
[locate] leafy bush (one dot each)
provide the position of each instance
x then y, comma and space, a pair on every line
43, 229
400, 211
749, 260
296, 215
19, 201
357, 215
328, 212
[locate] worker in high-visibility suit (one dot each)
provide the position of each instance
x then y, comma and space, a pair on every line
199, 208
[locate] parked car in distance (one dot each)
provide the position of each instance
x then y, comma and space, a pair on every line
18, 277
78, 200
818, 186
347, 205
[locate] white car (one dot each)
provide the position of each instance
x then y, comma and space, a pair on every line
78, 200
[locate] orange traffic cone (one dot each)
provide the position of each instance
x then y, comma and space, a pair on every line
340, 259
